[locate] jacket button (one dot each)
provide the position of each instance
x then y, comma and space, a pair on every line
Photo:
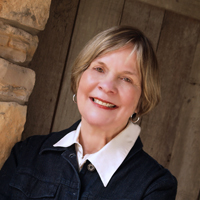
90, 167
71, 155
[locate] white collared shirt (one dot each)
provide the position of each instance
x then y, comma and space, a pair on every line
113, 153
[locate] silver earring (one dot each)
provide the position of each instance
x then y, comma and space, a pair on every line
74, 100
133, 116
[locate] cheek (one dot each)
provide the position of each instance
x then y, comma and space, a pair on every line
86, 78
83, 81
81, 89
131, 98
85, 85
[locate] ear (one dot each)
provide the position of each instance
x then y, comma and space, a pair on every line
136, 110
138, 105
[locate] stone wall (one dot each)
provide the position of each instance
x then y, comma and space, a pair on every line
20, 21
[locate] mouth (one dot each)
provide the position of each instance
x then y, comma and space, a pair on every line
103, 103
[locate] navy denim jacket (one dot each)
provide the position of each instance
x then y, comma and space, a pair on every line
37, 170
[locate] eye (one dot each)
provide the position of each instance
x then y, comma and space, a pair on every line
127, 79
99, 69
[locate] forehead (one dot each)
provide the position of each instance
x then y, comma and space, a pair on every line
125, 55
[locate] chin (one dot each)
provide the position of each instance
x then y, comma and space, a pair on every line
97, 121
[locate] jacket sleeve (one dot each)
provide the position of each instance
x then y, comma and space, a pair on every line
164, 189
8, 169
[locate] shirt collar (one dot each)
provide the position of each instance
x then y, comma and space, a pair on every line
113, 153
69, 139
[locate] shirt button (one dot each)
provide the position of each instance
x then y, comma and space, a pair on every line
71, 155
90, 167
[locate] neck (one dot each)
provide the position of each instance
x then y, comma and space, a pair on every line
93, 138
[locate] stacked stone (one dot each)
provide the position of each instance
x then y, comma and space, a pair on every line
20, 21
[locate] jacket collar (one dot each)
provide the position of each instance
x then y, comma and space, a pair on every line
57, 136
54, 137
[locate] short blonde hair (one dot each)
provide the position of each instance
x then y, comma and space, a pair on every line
113, 39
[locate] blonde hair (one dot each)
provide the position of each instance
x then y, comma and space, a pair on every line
113, 39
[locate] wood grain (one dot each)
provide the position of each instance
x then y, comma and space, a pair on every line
48, 63
195, 73
93, 17
189, 8
145, 17
185, 159
175, 55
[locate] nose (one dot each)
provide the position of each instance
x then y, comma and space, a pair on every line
108, 85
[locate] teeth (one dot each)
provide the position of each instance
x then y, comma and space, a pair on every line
103, 103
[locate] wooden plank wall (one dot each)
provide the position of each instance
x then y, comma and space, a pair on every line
171, 132
49, 63
188, 8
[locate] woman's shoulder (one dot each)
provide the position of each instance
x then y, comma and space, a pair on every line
51, 138
160, 179
147, 166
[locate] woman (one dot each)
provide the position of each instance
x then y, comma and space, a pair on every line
115, 81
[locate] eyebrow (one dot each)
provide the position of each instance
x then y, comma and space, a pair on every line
124, 72
130, 73
102, 63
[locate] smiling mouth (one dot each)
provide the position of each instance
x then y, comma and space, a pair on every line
109, 105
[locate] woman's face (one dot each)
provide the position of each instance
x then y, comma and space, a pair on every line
109, 90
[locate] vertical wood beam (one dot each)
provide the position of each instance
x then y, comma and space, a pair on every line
175, 55
145, 17
48, 63
185, 159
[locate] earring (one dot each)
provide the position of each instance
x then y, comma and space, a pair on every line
133, 116
74, 100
